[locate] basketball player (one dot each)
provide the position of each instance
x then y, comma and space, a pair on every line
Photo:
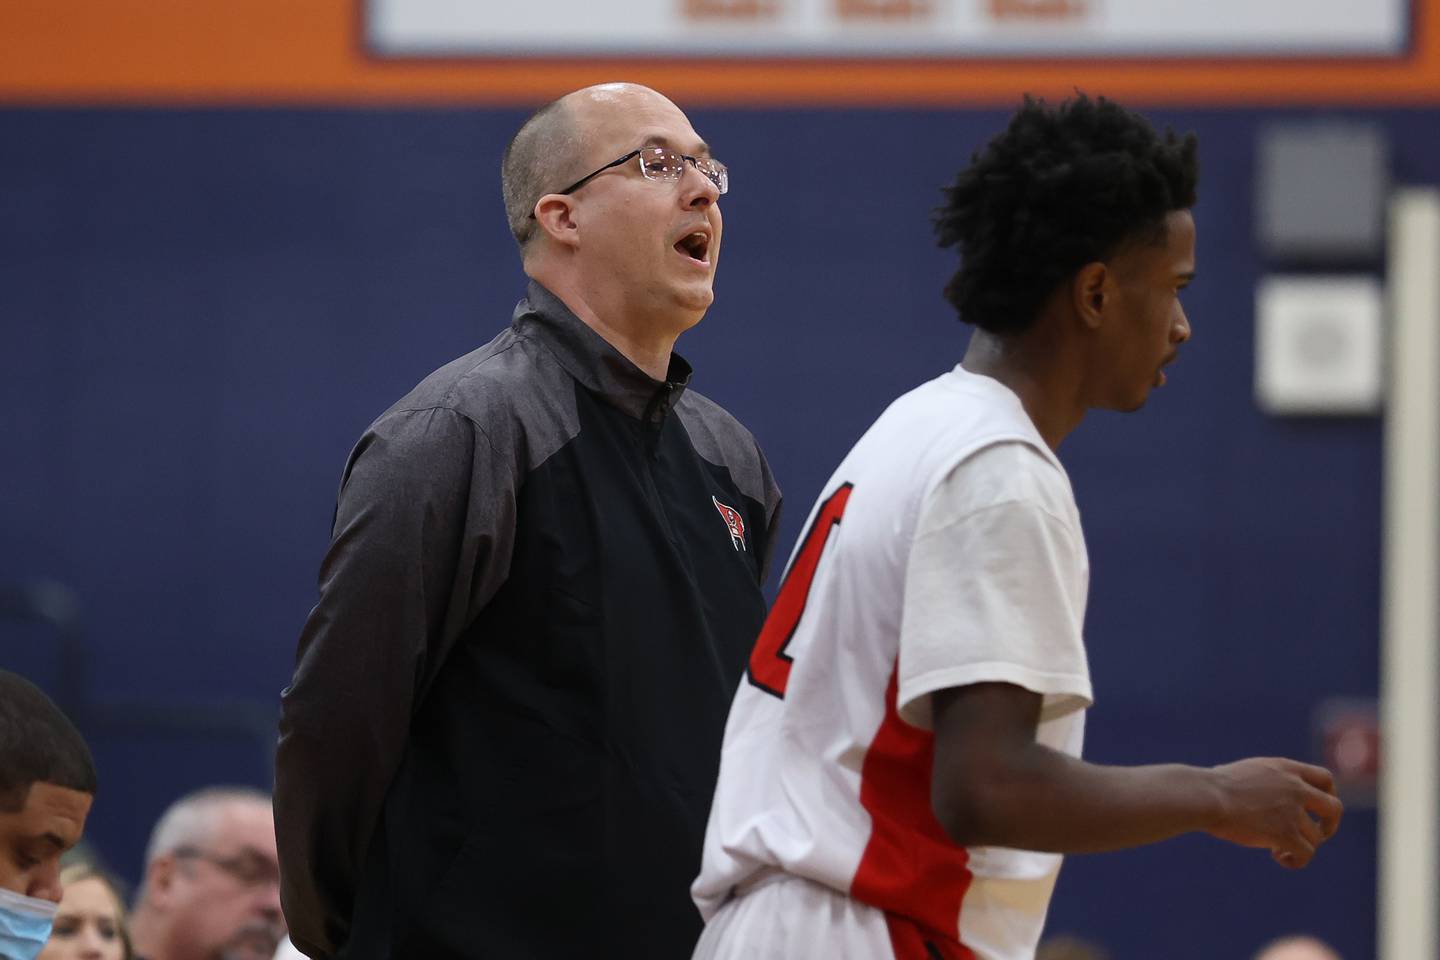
900, 772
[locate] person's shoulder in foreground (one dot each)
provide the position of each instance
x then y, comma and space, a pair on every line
543, 579
902, 772
47, 784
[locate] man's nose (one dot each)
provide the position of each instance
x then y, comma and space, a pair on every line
1182, 327
699, 190
269, 903
45, 883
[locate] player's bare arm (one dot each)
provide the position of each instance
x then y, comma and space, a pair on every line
993, 785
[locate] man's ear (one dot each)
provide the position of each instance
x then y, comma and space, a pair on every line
160, 880
1090, 294
555, 213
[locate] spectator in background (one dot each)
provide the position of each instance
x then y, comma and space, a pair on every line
212, 880
90, 924
1296, 948
47, 783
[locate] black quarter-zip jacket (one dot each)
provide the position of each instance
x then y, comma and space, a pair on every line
504, 728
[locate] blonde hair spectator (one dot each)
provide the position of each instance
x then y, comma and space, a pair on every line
90, 924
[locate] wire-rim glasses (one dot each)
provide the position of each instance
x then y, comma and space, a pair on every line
663, 165
248, 869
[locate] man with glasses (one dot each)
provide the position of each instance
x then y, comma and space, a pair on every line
500, 739
212, 880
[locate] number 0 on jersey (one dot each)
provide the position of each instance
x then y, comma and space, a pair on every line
769, 663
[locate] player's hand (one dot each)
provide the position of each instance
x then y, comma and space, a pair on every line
1283, 806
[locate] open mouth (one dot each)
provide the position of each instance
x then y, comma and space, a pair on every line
695, 245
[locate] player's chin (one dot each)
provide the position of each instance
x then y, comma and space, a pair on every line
1128, 403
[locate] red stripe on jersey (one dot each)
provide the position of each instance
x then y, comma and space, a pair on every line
910, 868
769, 663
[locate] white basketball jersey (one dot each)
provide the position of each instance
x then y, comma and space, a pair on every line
946, 550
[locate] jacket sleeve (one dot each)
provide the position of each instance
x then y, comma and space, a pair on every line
773, 501
423, 534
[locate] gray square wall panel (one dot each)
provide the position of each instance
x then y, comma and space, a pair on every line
1320, 190
1319, 344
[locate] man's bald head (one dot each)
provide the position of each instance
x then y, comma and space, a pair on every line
1297, 948
536, 160
552, 149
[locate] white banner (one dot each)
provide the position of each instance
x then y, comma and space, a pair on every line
889, 28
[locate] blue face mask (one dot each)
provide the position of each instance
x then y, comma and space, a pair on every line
24, 925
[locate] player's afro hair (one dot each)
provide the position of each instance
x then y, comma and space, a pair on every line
1060, 188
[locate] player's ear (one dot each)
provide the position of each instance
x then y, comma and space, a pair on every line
555, 213
1090, 293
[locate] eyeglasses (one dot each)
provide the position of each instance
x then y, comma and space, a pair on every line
248, 870
663, 165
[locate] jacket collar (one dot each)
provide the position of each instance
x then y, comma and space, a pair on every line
590, 359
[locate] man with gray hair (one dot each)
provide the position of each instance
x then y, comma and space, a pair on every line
502, 734
212, 880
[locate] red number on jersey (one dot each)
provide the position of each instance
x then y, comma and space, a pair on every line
769, 663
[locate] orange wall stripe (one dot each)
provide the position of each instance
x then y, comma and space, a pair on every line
301, 52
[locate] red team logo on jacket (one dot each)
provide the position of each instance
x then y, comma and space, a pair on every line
733, 521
